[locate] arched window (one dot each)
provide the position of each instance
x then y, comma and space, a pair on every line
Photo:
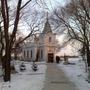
24, 53
27, 54
31, 53
41, 53
49, 39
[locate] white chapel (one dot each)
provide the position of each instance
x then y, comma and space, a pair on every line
42, 48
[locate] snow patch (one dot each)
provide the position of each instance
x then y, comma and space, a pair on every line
26, 80
76, 73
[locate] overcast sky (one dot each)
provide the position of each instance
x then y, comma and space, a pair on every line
47, 4
50, 5
40, 7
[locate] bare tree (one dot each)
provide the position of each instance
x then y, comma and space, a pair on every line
1, 43
75, 18
9, 38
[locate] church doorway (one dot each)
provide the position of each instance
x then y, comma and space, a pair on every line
50, 57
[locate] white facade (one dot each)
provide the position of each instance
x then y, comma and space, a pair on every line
42, 48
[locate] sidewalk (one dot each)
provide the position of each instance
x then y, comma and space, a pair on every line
56, 80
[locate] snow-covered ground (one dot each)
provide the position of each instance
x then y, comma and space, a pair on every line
76, 73
26, 80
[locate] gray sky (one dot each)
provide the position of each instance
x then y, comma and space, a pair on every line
42, 6
36, 10
47, 4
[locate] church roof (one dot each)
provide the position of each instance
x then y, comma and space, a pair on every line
47, 27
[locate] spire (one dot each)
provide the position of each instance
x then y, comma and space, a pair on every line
47, 16
47, 27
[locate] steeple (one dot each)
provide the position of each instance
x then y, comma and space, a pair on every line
47, 27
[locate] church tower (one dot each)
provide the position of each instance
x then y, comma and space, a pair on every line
47, 42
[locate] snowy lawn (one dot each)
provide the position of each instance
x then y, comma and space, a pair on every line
26, 80
76, 73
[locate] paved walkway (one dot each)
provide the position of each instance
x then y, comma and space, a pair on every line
56, 80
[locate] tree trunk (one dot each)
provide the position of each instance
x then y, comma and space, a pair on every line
88, 55
6, 67
85, 61
3, 62
88, 61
